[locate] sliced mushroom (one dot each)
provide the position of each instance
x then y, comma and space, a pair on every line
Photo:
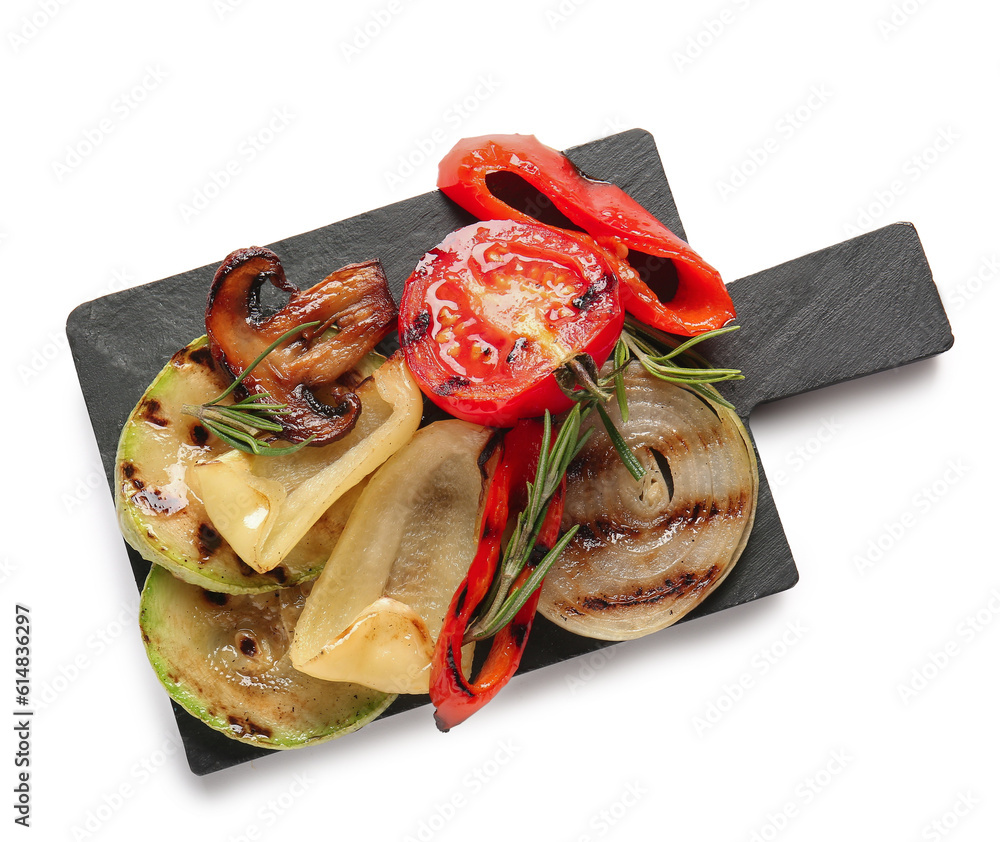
355, 310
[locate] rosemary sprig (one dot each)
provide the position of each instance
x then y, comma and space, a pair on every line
503, 602
621, 358
649, 346
243, 424
663, 357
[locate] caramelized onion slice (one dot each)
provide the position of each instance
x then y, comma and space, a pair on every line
649, 552
355, 309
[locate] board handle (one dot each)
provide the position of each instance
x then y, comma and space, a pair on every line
862, 306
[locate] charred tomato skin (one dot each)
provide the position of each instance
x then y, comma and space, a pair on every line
490, 314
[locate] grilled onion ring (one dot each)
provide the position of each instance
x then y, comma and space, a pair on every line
649, 552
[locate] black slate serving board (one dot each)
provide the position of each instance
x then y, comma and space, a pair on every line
805, 324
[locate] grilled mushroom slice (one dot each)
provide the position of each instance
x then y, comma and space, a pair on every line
355, 310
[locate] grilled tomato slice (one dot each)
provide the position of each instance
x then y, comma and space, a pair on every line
489, 316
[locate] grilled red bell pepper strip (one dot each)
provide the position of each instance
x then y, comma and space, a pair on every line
604, 211
454, 695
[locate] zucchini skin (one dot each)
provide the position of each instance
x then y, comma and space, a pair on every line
162, 519
189, 636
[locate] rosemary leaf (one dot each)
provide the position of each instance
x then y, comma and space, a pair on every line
517, 598
260, 357
241, 419
621, 360
629, 459
242, 424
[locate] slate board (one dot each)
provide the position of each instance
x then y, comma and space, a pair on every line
805, 324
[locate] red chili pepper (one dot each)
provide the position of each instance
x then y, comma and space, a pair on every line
454, 695
615, 220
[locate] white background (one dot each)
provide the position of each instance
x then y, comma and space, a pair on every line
859, 704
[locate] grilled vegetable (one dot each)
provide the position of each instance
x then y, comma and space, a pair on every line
508, 583
168, 523
492, 314
490, 176
646, 553
264, 506
224, 659
354, 302
377, 608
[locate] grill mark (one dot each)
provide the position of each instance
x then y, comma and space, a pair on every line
670, 587
454, 666
487, 453
586, 536
279, 574
203, 357
155, 501
246, 727
248, 646
463, 594
150, 412
584, 301
451, 385
518, 633
701, 512
519, 345
417, 330
208, 540
199, 435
